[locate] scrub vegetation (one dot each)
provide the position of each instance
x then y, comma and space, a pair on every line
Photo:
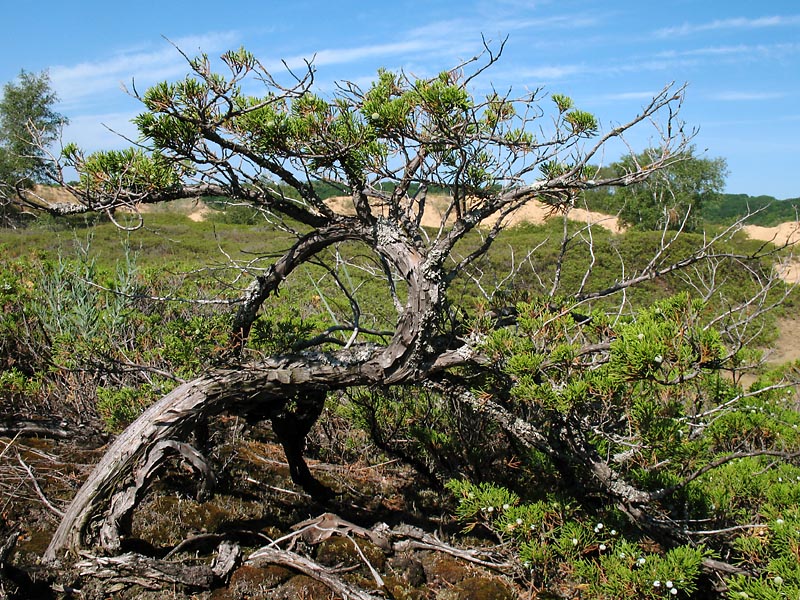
309, 390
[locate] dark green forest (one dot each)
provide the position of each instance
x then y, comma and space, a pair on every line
770, 211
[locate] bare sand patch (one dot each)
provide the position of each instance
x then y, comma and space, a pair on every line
534, 212
787, 347
200, 214
785, 233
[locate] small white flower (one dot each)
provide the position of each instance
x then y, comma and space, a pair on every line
602, 547
506, 507
519, 521
658, 358
599, 526
778, 580
779, 521
613, 532
490, 509
780, 479
656, 583
574, 541
668, 584
640, 336
641, 560
674, 591
622, 555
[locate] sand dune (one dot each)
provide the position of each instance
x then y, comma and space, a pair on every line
785, 233
782, 234
534, 212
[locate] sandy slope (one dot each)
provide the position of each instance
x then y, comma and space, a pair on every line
533, 212
785, 233
782, 234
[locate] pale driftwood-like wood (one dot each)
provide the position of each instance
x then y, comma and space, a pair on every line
229, 555
125, 501
265, 385
134, 569
401, 538
292, 560
53, 428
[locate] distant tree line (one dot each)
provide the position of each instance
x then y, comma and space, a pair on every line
768, 211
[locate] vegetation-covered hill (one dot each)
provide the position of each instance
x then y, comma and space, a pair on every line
581, 413
770, 211
53, 365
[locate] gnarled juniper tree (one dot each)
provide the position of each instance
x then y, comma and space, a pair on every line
602, 396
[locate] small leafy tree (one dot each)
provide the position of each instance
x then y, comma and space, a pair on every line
673, 198
602, 401
28, 125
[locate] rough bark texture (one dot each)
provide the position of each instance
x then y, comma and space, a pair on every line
263, 388
266, 385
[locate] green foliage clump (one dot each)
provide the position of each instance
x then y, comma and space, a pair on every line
556, 540
105, 174
775, 551
118, 407
16, 385
672, 198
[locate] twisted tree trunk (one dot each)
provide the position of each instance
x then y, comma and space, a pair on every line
103, 505
266, 385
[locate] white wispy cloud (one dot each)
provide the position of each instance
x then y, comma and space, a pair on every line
454, 38
733, 23
76, 85
339, 56
759, 50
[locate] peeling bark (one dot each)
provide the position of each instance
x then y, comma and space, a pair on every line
123, 503
267, 385
134, 569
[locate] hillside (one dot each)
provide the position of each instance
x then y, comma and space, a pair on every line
538, 213
770, 210
779, 233
375, 530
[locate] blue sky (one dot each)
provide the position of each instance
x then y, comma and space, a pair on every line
741, 60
